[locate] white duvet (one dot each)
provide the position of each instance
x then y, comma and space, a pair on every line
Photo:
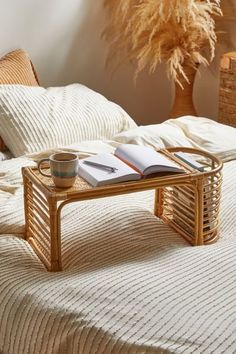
130, 285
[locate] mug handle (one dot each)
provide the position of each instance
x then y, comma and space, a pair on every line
40, 170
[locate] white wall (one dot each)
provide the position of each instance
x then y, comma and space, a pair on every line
63, 38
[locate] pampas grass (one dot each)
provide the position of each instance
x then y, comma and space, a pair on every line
154, 31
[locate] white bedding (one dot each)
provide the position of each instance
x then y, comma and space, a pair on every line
130, 285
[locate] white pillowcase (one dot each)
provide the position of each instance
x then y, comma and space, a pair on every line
34, 118
204, 133
156, 135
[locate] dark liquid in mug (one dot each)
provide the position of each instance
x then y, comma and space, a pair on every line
64, 159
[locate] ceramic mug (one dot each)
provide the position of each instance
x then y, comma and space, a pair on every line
63, 167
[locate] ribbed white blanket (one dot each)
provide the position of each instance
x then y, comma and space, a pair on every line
130, 286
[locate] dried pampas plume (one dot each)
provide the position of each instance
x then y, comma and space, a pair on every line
155, 31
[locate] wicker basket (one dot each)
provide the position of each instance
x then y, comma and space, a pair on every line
227, 94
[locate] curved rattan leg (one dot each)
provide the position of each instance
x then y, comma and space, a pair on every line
158, 203
199, 204
55, 239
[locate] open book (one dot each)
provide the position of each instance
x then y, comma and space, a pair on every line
129, 162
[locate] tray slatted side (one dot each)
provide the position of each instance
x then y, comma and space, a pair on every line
180, 211
227, 92
38, 221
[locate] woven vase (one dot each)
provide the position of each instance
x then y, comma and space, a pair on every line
183, 101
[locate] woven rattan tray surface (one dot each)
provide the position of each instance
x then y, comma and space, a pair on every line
189, 202
81, 186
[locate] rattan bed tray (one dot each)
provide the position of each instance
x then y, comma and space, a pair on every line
188, 202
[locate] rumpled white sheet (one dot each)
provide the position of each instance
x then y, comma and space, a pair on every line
130, 285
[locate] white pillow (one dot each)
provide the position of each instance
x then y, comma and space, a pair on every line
155, 135
208, 134
34, 118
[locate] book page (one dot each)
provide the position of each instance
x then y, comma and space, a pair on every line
97, 176
145, 159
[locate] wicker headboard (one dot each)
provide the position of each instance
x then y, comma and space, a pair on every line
17, 68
